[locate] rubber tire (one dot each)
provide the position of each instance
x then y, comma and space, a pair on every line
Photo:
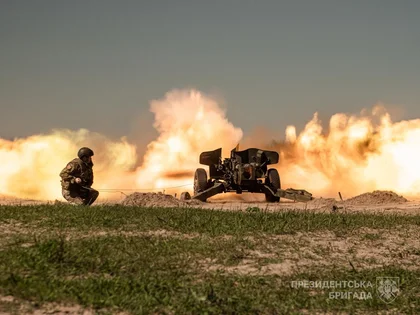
200, 180
273, 180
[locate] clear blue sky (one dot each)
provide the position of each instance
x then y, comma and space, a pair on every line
97, 64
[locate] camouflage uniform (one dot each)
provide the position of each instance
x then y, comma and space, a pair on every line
80, 194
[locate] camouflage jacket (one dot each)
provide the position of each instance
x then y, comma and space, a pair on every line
76, 168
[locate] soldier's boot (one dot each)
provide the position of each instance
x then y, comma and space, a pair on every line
92, 196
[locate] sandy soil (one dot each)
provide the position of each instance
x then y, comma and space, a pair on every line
326, 250
27, 307
377, 202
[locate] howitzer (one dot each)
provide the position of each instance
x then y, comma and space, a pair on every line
244, 171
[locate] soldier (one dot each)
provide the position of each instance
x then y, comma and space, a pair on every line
77, 179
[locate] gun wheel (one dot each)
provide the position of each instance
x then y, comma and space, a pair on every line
200, 180
273, 180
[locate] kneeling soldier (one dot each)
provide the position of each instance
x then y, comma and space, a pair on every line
77, 179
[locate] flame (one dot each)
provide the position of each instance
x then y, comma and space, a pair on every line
357, 153
30, 167
189, 123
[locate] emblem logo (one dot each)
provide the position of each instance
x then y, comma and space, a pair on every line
387, 288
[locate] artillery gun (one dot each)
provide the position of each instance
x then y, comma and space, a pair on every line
244, 171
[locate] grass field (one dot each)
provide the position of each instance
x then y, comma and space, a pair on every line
111, 259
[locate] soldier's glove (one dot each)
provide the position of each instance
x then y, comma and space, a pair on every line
78, 180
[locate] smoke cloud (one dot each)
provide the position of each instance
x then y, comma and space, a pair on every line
354, 154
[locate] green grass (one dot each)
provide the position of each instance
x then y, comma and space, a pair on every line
55, 259
189, 220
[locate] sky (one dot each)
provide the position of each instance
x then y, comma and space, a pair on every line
98, 64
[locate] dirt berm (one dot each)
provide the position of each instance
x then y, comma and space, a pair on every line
156, 200
376, 197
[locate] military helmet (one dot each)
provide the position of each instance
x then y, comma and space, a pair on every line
84, 152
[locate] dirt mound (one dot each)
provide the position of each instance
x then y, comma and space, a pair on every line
376, 197
156, 200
